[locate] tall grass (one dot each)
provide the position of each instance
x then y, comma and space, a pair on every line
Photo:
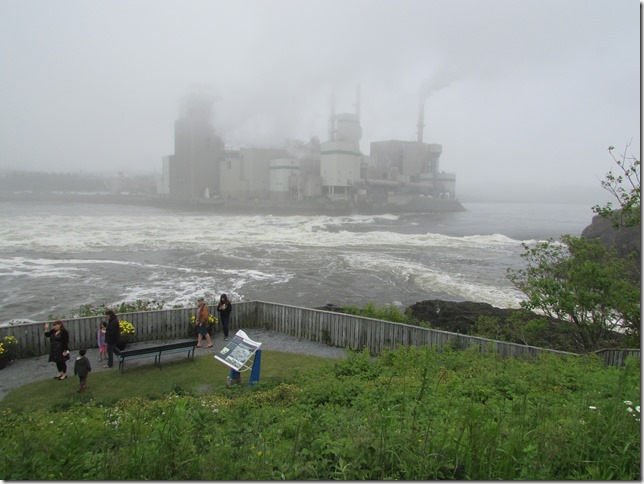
412, 414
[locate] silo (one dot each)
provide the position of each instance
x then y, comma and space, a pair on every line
284, 178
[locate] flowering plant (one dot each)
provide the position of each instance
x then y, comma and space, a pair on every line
9, 341
125, 327
211, 319
9, 345
3, 351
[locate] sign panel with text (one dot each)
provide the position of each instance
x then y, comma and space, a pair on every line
238, 351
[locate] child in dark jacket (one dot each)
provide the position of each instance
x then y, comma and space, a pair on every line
82, 367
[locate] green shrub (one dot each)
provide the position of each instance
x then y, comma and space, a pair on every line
388, 312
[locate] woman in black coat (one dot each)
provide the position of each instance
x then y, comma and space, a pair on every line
58, 347
224, 308
112, 333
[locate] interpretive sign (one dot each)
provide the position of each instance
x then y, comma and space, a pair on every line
238, 351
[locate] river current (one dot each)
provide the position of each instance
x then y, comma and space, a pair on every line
54, 257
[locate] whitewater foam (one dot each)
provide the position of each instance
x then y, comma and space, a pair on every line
56, 257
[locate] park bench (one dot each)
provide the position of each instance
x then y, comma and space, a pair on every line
155, 351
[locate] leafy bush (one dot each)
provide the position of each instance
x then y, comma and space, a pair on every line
582, 284
389, 312
526, 329
92, 309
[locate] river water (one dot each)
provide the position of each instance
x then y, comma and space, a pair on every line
54, 257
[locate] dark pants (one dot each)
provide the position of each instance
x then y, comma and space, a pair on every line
224, 324
61, 366
110, 354
83, 382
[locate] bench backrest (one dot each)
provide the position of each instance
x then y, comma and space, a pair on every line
139, 351
157, 349
174, 346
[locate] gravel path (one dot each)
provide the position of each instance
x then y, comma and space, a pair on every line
27, 370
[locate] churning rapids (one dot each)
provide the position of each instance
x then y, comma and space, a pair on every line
56, 257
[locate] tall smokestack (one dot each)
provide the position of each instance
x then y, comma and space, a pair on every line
421, 119
332, 118
358, 101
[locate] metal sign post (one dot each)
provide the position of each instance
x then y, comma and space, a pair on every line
254, 372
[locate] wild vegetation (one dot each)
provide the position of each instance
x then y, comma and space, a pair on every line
584, 286
625, 187
412, 414
92, 309
388, 312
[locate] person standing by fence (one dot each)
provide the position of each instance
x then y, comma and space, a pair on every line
111, 336
100, 341
224, 308
201, 321
59, 349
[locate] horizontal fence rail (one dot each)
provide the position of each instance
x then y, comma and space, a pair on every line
334, 329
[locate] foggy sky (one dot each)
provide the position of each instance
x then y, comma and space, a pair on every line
515, 91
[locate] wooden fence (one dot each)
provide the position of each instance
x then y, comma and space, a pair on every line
335, 329
616, 357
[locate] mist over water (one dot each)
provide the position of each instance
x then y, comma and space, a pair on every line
56, 257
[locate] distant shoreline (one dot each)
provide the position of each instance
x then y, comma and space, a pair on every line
231, 207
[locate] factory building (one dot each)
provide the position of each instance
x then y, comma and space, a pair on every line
246, 174
193, 170
288, 174
397, 172
410, 167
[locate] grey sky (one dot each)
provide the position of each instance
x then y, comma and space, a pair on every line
516, 90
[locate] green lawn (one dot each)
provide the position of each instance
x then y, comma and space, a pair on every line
202, 376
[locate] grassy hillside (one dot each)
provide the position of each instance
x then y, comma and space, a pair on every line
410, 414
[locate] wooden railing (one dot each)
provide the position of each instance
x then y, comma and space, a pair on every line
334, 329
616, 357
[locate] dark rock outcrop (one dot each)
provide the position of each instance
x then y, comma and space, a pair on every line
331, 308
624, 240
457, 317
